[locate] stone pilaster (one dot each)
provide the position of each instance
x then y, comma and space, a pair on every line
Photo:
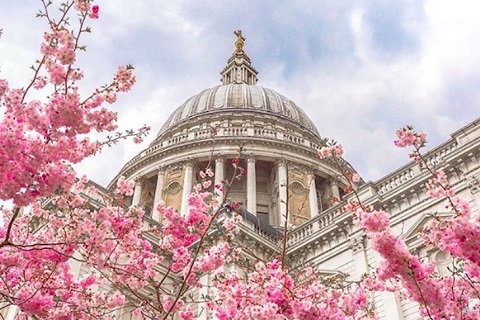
357, 246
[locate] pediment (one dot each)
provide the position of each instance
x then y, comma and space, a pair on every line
411, 236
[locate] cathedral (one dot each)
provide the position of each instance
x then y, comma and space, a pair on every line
286, 184
286, 179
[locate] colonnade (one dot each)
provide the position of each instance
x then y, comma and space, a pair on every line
281, 166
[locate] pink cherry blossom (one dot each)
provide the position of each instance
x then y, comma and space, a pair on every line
408, 137
94, 13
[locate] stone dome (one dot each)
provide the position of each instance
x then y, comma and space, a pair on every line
276, 141
244, 96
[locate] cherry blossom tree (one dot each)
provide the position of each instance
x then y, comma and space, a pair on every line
155, 270
40, 139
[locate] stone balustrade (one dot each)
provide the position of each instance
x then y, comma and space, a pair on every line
434, 158
392, 182
264, 133
437, 156
296, 235
224, 132
315, 225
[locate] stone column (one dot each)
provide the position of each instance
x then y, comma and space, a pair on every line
282, 191
158, 193
137, 192
187, 185
335, 189
219, 176
251, 186
312, 195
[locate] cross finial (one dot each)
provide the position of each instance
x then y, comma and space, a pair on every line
240, 40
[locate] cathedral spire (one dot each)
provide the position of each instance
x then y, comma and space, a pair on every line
239, 67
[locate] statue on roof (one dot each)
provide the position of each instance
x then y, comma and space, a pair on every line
240, 40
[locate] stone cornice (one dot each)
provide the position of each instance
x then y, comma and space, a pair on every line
155, 153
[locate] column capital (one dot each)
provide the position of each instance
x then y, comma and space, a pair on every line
251, 159
161, 170
139, 180
281, 162
219, 159
188, 163
415, 251
333, 181
310, 170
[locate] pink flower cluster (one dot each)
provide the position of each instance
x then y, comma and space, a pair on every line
335, 150
438, 186
41, 138
459, 235
3, 87
415, 279
408, 137
125, 187
82, 5
124, 78
94, 13
231, 224
35, 267
269, 292
373, 221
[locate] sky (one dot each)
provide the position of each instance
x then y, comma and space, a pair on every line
359, 69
